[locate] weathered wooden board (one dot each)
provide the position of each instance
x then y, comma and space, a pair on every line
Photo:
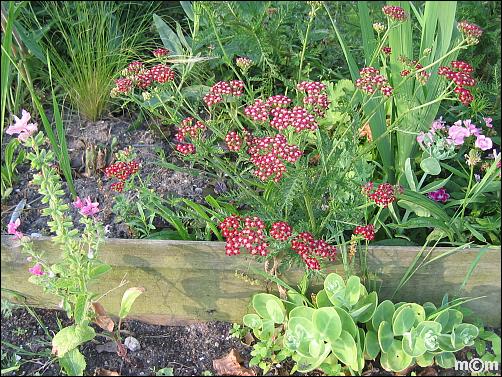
193, 281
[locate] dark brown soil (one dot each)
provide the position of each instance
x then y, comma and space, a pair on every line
189, 350
107, 136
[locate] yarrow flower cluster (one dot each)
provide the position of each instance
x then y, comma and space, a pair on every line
315, 97
122, 171
386, 50
233, 141
384, 194
136, 75
268, 154
439, 195
87, 207
221, 88
394, 12
459, 73
189, 127
371, 80
414, 65
367, 231
305, 245
244, 233
281, 231
160, 52
379, 27
22, 127
243, 63
470, 30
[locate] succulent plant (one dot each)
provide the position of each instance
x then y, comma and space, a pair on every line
346, 326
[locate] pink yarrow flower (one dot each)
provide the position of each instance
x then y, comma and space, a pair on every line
12, 228
22, 127
36, 270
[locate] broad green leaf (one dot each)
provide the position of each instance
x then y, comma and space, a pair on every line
73, 363
302, 311
385, 336
403, 321
252, 320
364, 310
431, 166
334, 286
276, 311
168, 36
347, 322
345, 350
383, 312
425, 360
71, 337
433, 186
352, 290
328, 323
262, 306
413, 344
446, 360
371, 345
396, 359
410, 176
99, 270
130, 295
322, 299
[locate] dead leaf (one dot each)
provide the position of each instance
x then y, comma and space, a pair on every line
429, 371
105, 372
248, 339
102, 320
230, 365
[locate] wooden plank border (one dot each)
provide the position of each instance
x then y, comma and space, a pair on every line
189, 281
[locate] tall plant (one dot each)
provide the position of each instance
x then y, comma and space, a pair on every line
418, 93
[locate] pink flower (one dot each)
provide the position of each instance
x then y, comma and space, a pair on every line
458, 134
488, 122
22, 127
36, 270
484, 143
439, 195
78, 203
12, 228
87, 208
473, 130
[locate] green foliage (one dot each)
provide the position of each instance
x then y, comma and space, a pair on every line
88, 42
9, 164
346, 326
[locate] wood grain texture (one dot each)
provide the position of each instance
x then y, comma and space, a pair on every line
193, 281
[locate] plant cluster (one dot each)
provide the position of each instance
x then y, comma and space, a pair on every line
345, 325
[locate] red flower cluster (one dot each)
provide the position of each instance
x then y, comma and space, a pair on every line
414, 65
124, 85
135, 67
161, 73
298, 117
371, 80
233, 140
258, 111
395, 13
460, 73
244, 233
384, 195
368, 231
281, 231
137, 75
315, 96
469, 29
160, 52
307, 247
122, 171
268, 155
188, 127
386, 50
277, 101
231, 88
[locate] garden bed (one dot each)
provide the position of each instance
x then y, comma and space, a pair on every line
193, 281
188, 350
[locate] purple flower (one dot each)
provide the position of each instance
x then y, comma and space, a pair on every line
439, 195
473, 130
438, 124
22, 127
488, 122
36, 270
484, 143
458, 134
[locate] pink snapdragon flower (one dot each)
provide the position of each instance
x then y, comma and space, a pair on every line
12, 228
86, 207
484, 143
22, 127
36, 270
